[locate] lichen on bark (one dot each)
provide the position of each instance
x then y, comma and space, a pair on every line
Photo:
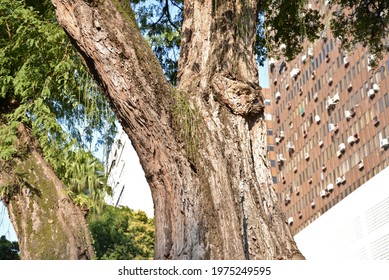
48, 225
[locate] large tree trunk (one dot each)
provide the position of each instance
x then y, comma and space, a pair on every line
47, 223
202, 145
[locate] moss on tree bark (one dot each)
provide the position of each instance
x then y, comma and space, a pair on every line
47, 223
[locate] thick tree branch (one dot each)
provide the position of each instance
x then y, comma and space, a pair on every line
121, 60
202, 146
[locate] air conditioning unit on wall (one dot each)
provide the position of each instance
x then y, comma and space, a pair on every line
384, 143
290, 146
351, 140
371, 93
280, 158
347, 114
338, 181
342, 147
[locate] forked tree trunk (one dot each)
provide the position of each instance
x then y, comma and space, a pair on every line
207, 165
47, 223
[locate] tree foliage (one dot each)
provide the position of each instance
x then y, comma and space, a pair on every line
281, 23
160, 22
364, 22
122, 234
8, 250
286, 23
44, 85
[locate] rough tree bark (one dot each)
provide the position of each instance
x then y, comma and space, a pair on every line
48, 225
206, 166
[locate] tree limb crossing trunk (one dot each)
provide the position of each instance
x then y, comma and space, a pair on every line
208, 171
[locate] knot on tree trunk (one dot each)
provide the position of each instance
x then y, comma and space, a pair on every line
242, 98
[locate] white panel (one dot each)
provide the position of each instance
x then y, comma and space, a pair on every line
378, 215
357, 228
380, 248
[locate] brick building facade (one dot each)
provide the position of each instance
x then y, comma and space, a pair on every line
330, 114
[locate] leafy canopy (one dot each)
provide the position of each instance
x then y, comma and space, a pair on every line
160, 22
122, 234
362, 21
8, 250
44, 85
279, 22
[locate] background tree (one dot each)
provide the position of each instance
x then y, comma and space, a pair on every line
160, 23
8, 250
48, 105
362, 22
122, 234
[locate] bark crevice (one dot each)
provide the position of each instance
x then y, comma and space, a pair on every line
218, 210
47, 223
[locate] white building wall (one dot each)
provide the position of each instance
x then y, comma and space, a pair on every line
357, 228
126, 177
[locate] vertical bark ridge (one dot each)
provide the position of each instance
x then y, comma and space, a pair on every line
106, 35
216, 208
218, 70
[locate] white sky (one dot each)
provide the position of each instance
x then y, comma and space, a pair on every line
264, 76
129, 173
6, 227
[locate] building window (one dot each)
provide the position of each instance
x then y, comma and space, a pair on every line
371, 81
357, 97
377, 77
274, 180
270, 132
382, 106
272, 163
387, 65
271, 147
267, 102
386, 100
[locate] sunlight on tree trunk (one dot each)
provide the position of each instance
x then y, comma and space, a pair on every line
202, 145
